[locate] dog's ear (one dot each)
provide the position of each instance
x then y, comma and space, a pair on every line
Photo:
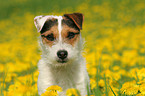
39, 22
77, 18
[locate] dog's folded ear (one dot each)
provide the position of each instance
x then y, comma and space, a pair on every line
39, 21
77, 18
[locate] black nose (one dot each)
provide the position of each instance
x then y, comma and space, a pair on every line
62, 54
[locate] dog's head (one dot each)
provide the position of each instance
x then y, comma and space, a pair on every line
60, 38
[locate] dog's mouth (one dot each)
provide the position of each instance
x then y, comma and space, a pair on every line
62, 60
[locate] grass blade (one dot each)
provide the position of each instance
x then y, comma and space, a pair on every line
112, 90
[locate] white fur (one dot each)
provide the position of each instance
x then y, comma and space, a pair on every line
71, 74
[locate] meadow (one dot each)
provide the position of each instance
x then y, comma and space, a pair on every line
114, 31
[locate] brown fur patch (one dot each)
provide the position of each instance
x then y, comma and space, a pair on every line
64, 33
53, 30
77, 18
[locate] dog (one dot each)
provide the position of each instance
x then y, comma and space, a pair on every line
61, 62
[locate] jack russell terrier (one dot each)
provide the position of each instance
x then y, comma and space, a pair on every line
61, 62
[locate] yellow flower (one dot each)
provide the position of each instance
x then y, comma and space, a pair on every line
93, 83
130, 88
142, 89
92, 71
111, 75
2, 67
54, 88
101, 83
52, 91
72, 92
19, 89
49, 93
116, 56
116, 68
141, 74
2, 85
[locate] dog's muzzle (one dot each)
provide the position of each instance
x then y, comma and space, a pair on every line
62, 55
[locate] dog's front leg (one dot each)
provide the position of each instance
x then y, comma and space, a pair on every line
45, 79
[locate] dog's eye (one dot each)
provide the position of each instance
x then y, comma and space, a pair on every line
71, 35
50, 37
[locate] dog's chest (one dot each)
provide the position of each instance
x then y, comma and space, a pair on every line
65, 77
72, 76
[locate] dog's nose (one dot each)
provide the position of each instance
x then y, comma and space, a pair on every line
62, 54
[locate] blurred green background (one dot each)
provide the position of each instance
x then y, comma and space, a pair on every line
100, 15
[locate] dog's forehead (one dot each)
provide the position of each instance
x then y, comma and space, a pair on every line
50, 22
73, 20
56, 20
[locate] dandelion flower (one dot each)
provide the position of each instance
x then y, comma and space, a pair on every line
130, 88
72, 92
52, 91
